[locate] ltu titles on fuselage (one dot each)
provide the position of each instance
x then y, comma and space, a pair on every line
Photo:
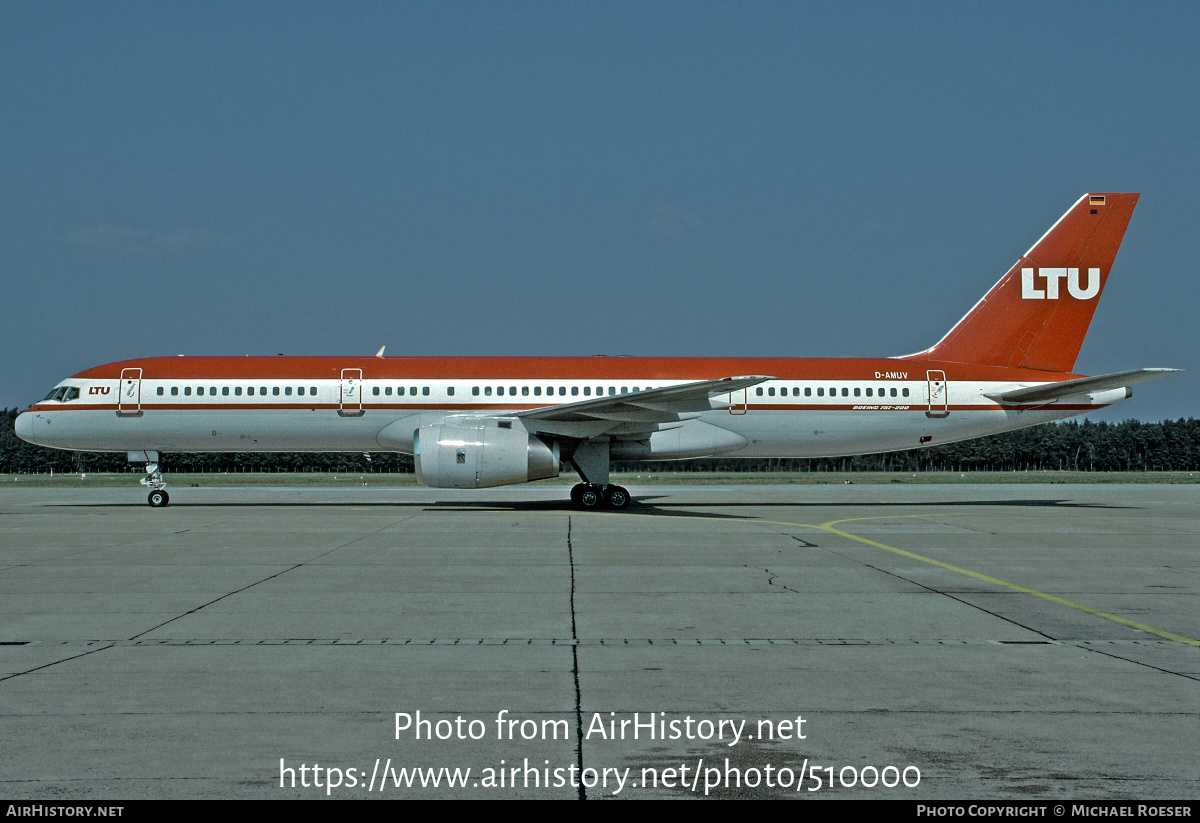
654, 726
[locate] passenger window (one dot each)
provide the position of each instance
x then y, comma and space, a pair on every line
237, 390
808, 391
512, 391
820, 392
574, 391
904, 392
587, 391
487, 390
845, 392
599, 390
857, 392
425, 391
312, 390
287, 391
160, 391
893, 392
612, 390
624, 390
187, 391
224, 391
474, 391
771, 392
758, 391
562, 390
275, 390
450, 391
412, 391
537, 391
212, 391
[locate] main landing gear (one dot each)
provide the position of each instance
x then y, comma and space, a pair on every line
158, 496
587, 496
591, 459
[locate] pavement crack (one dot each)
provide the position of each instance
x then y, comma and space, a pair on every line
55, 663
772, 577
575, 668
943, 593
265, 579
1137, 662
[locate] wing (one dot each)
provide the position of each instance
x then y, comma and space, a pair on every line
1082, 385
635, 411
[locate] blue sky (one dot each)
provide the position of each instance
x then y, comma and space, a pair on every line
777, 179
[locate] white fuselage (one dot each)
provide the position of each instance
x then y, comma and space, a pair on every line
781, 418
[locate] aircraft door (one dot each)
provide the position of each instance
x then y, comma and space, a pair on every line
129, 393
737, 402
350, 394
937, 394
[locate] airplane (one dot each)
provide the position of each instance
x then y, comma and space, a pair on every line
476, 422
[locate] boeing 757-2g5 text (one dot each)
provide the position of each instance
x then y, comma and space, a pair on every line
473, 422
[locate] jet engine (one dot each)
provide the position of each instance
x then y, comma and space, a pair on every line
469, 457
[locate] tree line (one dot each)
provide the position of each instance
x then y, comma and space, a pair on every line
1172, 445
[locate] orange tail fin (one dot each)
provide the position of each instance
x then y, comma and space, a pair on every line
1038, 314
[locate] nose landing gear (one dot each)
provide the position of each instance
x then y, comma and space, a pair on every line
158, 496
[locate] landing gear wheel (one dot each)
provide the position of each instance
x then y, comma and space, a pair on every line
616, 497
576, 493
158, 498
590, 498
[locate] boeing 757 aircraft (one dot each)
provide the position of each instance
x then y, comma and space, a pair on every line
474, 422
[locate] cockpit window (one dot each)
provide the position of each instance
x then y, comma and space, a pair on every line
63, 393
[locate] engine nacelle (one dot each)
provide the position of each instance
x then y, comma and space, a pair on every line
462, 457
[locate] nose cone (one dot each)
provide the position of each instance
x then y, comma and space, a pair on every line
24, 426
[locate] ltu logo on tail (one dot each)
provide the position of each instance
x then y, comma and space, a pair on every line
1030, 290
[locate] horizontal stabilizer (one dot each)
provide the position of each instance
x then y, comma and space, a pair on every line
1084, 385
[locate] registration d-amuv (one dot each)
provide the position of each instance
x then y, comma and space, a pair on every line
475, 422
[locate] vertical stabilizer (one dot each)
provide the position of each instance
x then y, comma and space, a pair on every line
1038, 314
